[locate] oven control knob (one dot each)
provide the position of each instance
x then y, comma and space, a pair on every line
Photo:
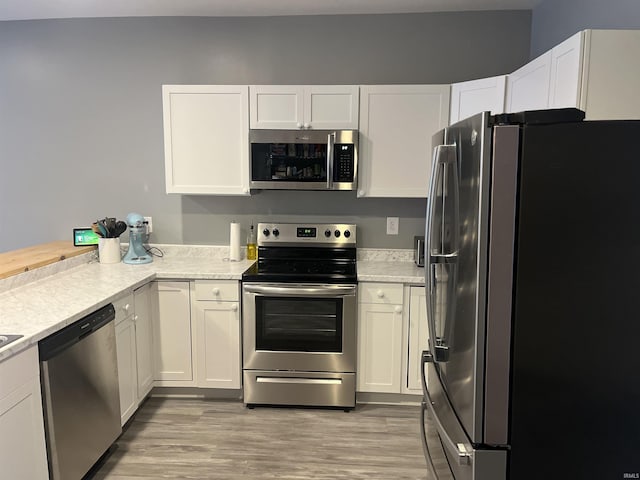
265, 232
327, 233
337, 233
347, 234
276, 232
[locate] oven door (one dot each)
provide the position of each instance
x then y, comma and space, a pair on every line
304, 327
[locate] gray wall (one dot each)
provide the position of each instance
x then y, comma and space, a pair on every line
556, 20
81, 110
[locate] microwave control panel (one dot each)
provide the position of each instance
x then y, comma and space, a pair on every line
344, 160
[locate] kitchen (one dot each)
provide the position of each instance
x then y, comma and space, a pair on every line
116, 110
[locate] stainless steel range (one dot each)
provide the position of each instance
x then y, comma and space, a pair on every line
299, 317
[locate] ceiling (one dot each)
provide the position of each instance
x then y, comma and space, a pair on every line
39, 9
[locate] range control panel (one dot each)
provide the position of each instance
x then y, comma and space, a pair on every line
298, 234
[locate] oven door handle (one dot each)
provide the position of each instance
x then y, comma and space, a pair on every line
302, 290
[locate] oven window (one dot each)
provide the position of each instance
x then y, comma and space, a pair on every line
299, 324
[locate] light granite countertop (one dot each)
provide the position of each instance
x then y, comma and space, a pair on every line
38, 309
394, 272
51, 300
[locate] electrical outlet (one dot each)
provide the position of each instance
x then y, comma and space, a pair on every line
149, 223
393, 224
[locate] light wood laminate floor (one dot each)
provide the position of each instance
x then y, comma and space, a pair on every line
211, 439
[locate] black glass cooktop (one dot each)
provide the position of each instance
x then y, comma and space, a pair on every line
304, 265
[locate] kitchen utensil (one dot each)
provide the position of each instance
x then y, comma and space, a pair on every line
96, 229
102, 228
120, 228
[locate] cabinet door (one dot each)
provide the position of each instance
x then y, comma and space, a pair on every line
609, 88
218, 344
143, 301
127, 375
331, 107
206, 139
475, 96
172, 334
418, 338
23, 454
528, 87
566, 73
397, 123
276, 106
379, 348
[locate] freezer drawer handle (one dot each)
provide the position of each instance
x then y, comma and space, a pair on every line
464, 455
307, 381
462, 450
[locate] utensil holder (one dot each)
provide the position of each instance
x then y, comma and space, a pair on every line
109, 250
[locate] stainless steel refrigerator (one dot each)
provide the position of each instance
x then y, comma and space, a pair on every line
532, 267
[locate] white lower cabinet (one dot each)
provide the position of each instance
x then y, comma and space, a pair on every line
417, 335
380, 337
127, 375
216, 313
144, 298
173, 357
134, 348
392, 333
23, 454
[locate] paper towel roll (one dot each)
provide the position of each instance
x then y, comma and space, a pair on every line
234, 242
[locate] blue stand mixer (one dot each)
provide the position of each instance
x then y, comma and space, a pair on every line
136, 254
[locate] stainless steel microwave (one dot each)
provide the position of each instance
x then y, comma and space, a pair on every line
304, 159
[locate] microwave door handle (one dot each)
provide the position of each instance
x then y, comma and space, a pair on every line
331, 141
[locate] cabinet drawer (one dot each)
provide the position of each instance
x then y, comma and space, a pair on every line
219, 290
123, 306
18, 370
389, 293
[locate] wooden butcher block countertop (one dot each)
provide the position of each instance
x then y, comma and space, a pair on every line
24, 259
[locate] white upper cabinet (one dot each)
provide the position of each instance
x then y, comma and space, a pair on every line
206, 139
304, 107
528, 87
596, 71
397, 123
610, 74
475, 96
565, 73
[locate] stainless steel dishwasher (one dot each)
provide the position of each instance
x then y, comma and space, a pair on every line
79, 375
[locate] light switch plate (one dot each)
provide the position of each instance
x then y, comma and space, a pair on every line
393, 224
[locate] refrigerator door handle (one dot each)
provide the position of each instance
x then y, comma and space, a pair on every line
444, 166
